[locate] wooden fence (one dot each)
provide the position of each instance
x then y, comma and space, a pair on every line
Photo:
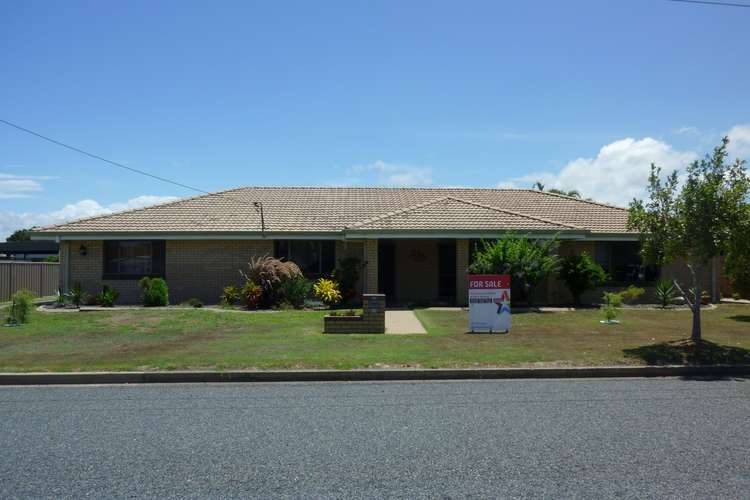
41, 278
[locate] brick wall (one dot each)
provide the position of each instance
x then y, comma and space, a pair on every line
194, 268
202, 268
371, 321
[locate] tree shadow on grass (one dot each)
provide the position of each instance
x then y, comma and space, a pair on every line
745, 318
685, 352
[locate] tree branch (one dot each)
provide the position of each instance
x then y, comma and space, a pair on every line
685, 296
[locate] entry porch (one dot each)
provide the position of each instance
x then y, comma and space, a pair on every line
414, 272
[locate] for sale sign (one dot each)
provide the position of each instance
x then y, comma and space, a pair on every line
489, 303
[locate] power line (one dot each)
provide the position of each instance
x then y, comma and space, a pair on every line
709, 2
97, 157
257, 204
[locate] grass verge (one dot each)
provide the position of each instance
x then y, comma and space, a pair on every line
177, 338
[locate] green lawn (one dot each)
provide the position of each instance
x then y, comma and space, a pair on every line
176, 338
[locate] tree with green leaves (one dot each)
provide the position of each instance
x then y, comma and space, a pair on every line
19, 235
527, 261
704, 218
581, 273
737, 260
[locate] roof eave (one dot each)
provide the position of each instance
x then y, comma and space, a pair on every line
563, 234
182, 235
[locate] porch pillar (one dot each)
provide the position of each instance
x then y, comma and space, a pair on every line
63, 267
371, 266
462, 265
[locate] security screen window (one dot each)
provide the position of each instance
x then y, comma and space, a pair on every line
622, 261
315, 258
133, 259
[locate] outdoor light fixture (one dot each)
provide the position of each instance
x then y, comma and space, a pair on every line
82, 250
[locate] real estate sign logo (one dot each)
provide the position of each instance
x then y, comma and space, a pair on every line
489, 302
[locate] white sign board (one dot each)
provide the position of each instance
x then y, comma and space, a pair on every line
489, 303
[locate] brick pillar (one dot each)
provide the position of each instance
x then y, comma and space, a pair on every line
371, 266
64, 266
462, 264
373, 312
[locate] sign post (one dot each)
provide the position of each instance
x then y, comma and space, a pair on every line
489, 303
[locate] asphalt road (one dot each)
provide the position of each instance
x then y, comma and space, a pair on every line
554, 439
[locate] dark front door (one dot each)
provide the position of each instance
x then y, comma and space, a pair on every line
387, 270
447, 271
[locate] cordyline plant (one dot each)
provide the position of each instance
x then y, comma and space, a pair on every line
269, 272
703, 219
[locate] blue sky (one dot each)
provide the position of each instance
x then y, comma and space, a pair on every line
579, 94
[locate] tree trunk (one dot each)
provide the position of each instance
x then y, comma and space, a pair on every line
697, 299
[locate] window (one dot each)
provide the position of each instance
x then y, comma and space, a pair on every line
133, 259
314, 257
622, 261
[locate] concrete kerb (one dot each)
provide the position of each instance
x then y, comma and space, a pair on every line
370, 375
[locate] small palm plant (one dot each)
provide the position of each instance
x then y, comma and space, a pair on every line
77, 294
665, 293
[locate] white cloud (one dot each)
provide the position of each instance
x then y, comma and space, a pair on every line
739, 142
617, 174
390, 174
20, 186
10, 221
687, 131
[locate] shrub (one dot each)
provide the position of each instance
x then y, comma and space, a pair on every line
294, 291
77, 295
580, 273
154, 292
611, 302
665, 293
631, 294
327, 291
268, 272
347, 274
107, 297
229, 296
20, 306
527, 261
252, 295
193, 302
60, 298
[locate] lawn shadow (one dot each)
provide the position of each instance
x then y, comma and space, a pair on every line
745, 318
683, 352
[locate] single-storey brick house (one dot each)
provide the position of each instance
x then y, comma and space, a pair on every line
414, 244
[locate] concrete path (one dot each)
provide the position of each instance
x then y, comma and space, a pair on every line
402, 322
